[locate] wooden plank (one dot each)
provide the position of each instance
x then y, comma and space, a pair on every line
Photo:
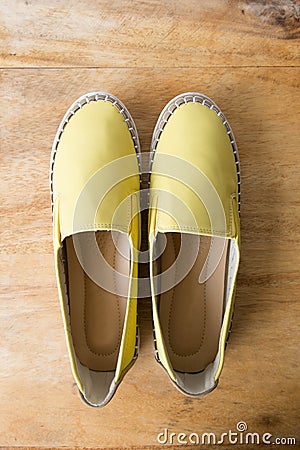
40, 406
156, 33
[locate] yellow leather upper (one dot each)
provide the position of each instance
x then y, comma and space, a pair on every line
96, 187
194, 189
194, 163
95, 171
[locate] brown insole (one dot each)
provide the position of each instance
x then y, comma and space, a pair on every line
97, 316
191, 312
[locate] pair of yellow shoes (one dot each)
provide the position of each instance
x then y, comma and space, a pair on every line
193, 230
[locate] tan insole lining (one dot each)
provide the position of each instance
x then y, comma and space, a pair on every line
97, 316
191, 313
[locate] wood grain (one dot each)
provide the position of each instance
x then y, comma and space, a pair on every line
156, 33
245, 55
39, 405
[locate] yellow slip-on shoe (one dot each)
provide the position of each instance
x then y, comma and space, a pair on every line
95, 183
194, 235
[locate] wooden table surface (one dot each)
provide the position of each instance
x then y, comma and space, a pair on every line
243, 54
